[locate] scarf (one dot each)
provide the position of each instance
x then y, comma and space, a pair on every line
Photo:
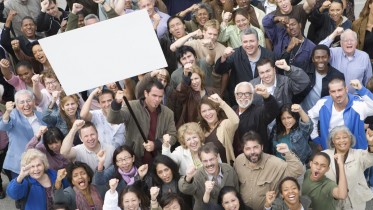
129, 177
82, 203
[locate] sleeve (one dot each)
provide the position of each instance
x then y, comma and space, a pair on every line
224, 34
103, 177
17, 190
118, 116
270, 28
187, 188
42, 22
174, 155
72, 22
294, 166
111, 201
50, 116
222, 68
298, 79
63, 196
32, 143
183, 89
270, 110
316, 17
6, 40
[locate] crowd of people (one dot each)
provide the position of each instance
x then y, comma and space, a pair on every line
250, 113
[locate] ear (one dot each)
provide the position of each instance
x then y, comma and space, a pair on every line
146, 94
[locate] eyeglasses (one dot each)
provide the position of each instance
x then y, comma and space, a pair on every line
349, 40
28, 101
247, 94
50, 83
126, 159
210, 160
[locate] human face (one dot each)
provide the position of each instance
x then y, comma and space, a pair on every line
241, 22
90, 21
290, 192
70, 107
230, 201
188, 57
25, 104
244, 101
320, 60
148, 5
127, 4
80, 178
164, 173
250, 44
125, 161
210, 163
177, 28
196, 82
267, 74
211, 33
80, 20
192, 141
202, 16
154, 98
173, 205
338, 93
105, 101
28, 28
287, 120
37, 168
162, 77
293, 28
25, 74
285, 6
51, 84
349, 43
131, 201
89, 137
319, 166
209, 114
52, 9
342, 142
253, 151
55, 147
39, 54
335, 11
243, 3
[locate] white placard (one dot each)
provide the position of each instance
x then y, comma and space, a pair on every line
104, 52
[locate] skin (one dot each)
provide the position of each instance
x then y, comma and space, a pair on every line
210, 163
241, 22
28, 28
148, 5
39, 54
342, 142
285, 6
335, 11
202, 16
188, 57
164, 173
321, 59
105, 101
37, 168
253, 151
70, 107
80, 179
339, 94
52, 10
55, 147
51, 84
173, 205
27, 108
250, 44
267, 74
294, 29
288, 121
349, 43
211, 33
290, 193
192, 142
89, 137
243, 3
154, 98
230, 201
319, 166
25, 74
131, 201
80, 20
177, 28
209, 114
244, 101
125, 161
195, 82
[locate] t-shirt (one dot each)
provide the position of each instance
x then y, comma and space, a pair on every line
320, 192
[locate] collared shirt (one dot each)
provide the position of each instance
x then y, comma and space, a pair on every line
33, 120
357, 66
268, 7
85, 155
272, 88
217, 178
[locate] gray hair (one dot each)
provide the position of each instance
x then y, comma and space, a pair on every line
248, 31
23, 92
91, 16
32, 154
348, 31
242, 84
339, 129
205, 6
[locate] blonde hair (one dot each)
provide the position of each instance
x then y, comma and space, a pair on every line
32, 154
190, 128
212, 24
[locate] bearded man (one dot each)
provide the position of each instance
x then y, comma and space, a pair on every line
253, 117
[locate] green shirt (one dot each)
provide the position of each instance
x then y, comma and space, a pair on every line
320, 192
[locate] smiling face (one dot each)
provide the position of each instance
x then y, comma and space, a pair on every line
253, 151
52, 9
39, 55
287, 120
348, 42
105, 101
241, 22
211, 33
25, 104
319, 166
192, 141
290, 192
267, 74
230, 201
28, 28
89, 137
188, 57
37, 169
210, 163
202, 16
148, 5
25, 74
250, 44
80, 178
173, 205
131, 201
342, 142
209, 114
285, 6
70, 106
196, 82
125, 161
51, 84
154, 98
335, 11
177, 28
244, 96
164, 173
321, 59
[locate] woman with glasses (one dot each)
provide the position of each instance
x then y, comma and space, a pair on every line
219, 123
124, 169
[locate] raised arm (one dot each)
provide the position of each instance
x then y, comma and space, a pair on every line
309, 5
85, 113
180, 42
66, 148
72, 21
5, 65
340, 192
298, 79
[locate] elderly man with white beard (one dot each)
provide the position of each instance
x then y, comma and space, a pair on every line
253, 117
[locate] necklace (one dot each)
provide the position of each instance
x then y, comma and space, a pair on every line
292, 56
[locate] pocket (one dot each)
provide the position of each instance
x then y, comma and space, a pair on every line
263, 187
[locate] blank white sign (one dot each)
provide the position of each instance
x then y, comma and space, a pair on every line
104, 52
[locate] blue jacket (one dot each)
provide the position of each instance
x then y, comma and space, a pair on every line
357, 109
36, 199
20, 132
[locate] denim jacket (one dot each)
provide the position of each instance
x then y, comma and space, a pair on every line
299, 140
